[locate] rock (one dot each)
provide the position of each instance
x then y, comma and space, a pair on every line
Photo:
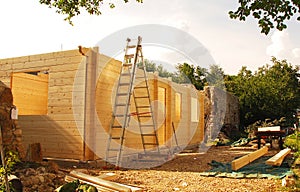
52, 167
30, 172
41, 178
41, 170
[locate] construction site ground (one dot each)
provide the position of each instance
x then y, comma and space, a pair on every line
180, 174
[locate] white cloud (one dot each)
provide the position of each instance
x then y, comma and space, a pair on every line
280, 42
296, 52
282, 47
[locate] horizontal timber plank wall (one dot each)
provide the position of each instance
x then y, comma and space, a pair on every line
80, 102
187, 132
56, 130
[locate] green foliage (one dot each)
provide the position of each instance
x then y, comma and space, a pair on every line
11, 158
152, 67
267, 12
76, 186
72, 8
215, 76
192, 74
292, 142
271, 92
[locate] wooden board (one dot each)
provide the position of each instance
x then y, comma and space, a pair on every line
274, 128
103, 182
277, 159
245, 160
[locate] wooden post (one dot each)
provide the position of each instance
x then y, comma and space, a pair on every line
35, 152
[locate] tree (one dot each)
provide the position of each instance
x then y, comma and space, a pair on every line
72, 8
149, 65
215, 76
191, 74
272, 92
267, 12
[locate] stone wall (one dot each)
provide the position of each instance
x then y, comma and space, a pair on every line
221, 112
11, 132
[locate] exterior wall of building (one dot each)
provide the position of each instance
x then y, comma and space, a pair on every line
56, 130
77, 112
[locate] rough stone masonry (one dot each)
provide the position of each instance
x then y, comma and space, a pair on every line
11, 133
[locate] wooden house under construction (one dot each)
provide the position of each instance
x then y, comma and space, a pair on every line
65, 102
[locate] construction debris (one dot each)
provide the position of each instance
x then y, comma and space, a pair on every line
277, 159
242, 161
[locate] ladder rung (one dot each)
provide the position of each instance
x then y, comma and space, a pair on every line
140, 77
150, 144
116, 126
131, 46
145, 116
148, 135
141, 97
115, 137
127, 64
122, 94
123, 84
121, 104
129, 56
140, 87
143, 106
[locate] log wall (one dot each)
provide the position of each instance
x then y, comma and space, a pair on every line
79, 104
55, 127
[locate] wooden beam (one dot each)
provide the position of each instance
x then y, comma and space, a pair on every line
274, 128
277, 159
245, 160
108, 176
103, 183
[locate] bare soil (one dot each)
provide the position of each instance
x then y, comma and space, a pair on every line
182, 173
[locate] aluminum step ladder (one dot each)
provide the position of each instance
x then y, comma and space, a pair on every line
131, 86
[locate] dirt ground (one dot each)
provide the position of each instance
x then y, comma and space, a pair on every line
183, 174
180, 174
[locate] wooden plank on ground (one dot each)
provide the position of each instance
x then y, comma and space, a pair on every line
108, 176
104, 183
277, 159
245, 160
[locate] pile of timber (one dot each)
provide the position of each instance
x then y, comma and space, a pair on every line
102, 182
276, 160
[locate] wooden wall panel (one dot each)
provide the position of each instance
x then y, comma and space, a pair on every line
59, 130
30, 93
65, 123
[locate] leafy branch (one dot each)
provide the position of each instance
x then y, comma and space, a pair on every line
269, 13
72, 8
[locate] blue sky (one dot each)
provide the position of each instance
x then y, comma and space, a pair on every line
30, 28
